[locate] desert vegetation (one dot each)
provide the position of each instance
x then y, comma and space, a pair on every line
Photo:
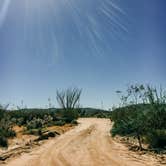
69, 102
35, 121
5, 128
142, 116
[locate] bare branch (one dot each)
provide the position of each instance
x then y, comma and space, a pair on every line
69, 99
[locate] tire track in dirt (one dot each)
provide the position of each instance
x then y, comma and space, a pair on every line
88, 144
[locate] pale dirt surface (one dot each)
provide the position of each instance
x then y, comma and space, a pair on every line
22, 139
88, 144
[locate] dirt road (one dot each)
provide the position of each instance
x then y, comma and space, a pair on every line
88, 144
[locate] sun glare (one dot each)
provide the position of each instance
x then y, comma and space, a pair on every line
4, 5
84, 17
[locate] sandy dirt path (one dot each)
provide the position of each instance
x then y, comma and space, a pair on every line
88, 144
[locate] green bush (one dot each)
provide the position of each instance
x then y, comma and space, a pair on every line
35, 123
46, 136
6, 128
10, 133
3, 142
23, 116
51, 134
142, 120
59, 123
42, 137
20, 121
36, 132
2, 112
74, 122
48, 119
157, 139
70, 115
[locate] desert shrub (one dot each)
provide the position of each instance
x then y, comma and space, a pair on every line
131, 124
35, 123
39, 131
60, 123
10, 133
74, 122
157, 139
48, 119
68, 100
42, 137
13, 120
93, 112
20, 121
34, 118
142, 120
100, 116
51, 134
2, 112
3, 142
36, 132
46, 136
6, 128
69, 115
6, 131
157, 117
24, 115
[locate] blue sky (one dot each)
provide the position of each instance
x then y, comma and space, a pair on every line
99, 46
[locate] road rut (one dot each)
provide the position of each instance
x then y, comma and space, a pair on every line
88, 144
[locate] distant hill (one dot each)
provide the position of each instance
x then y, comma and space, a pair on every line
139, 107
94, 112
83, 112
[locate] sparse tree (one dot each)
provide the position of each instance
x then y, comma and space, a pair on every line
143, 117
69, 102
68, 99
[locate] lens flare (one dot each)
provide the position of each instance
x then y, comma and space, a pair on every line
89, 23
4, 5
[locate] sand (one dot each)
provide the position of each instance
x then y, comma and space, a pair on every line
88, 144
